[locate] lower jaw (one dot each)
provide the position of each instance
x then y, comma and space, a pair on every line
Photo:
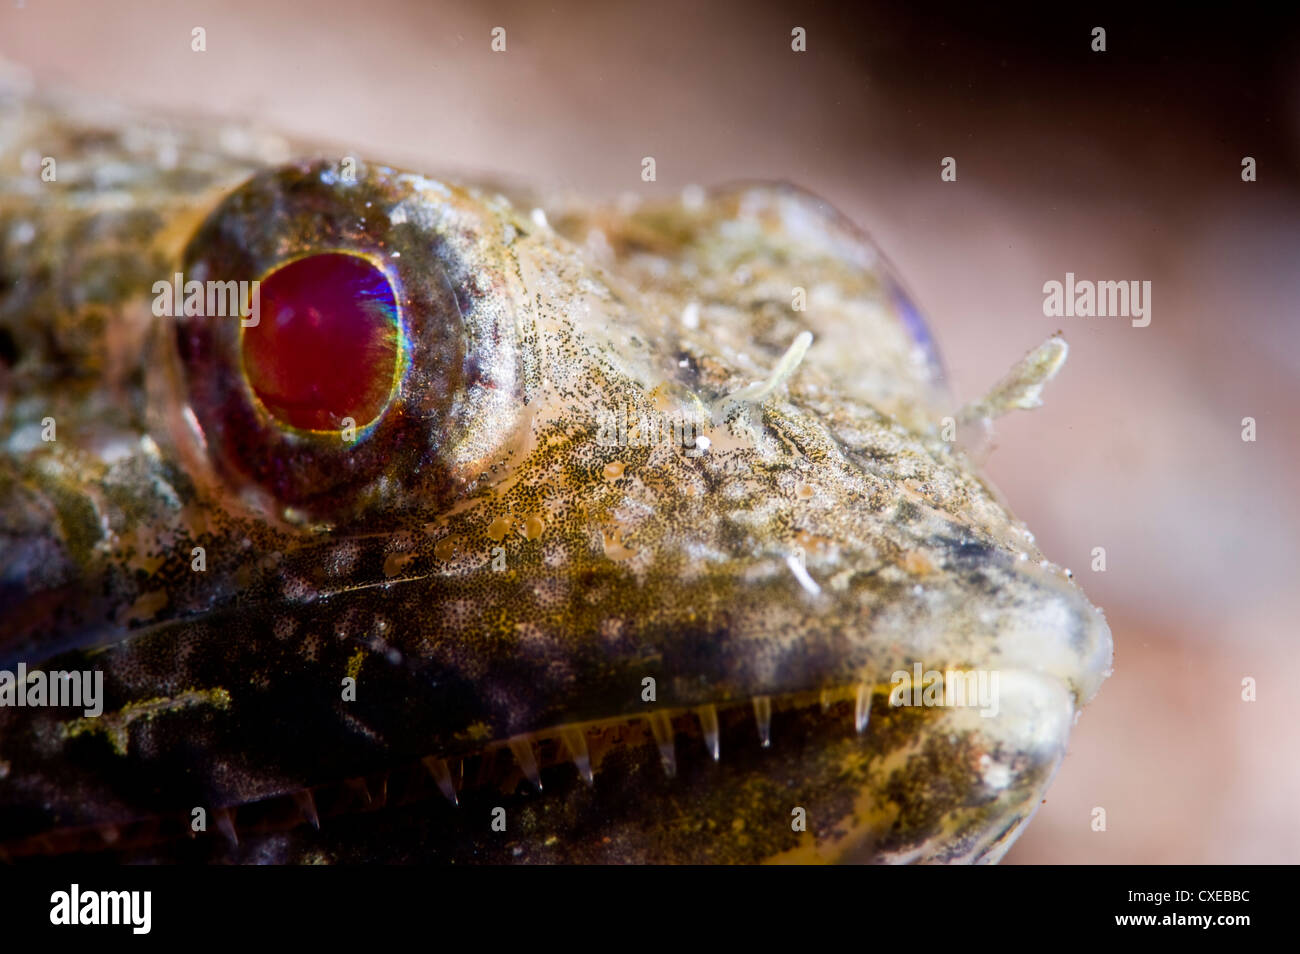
843, 777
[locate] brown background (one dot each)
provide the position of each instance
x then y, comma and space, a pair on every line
1115, 166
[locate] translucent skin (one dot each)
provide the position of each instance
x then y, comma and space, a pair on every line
487, 567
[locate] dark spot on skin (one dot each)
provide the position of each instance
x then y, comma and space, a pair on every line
689, 373
474, 372
967, 554
907, 512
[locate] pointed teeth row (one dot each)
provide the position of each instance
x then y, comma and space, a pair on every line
448, 774
574, 739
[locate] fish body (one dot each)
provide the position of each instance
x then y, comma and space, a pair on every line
657, 503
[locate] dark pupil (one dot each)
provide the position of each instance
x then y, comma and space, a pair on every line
325, 347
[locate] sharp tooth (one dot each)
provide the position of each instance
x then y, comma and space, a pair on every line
307, 806
862, 711
826, 700
442, 775
576, 742
662, 727
763, 716
358, 785
226, 825
709, 724
523, 751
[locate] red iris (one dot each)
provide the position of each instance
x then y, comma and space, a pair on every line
325, 346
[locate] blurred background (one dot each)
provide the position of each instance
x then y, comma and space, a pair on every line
1122, 165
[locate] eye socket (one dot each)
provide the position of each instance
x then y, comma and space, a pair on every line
389, 298
326, 345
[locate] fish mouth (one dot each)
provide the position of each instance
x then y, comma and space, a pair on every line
774, 713
845, 774
774, 702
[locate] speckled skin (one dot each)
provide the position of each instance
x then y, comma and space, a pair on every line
484, 561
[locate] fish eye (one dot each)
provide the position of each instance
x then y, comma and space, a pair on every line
325, 352
376, 362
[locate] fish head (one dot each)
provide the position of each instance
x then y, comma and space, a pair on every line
472, 531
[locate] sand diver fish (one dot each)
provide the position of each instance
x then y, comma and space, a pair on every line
499, 528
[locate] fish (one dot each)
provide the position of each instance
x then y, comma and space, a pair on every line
386, 517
